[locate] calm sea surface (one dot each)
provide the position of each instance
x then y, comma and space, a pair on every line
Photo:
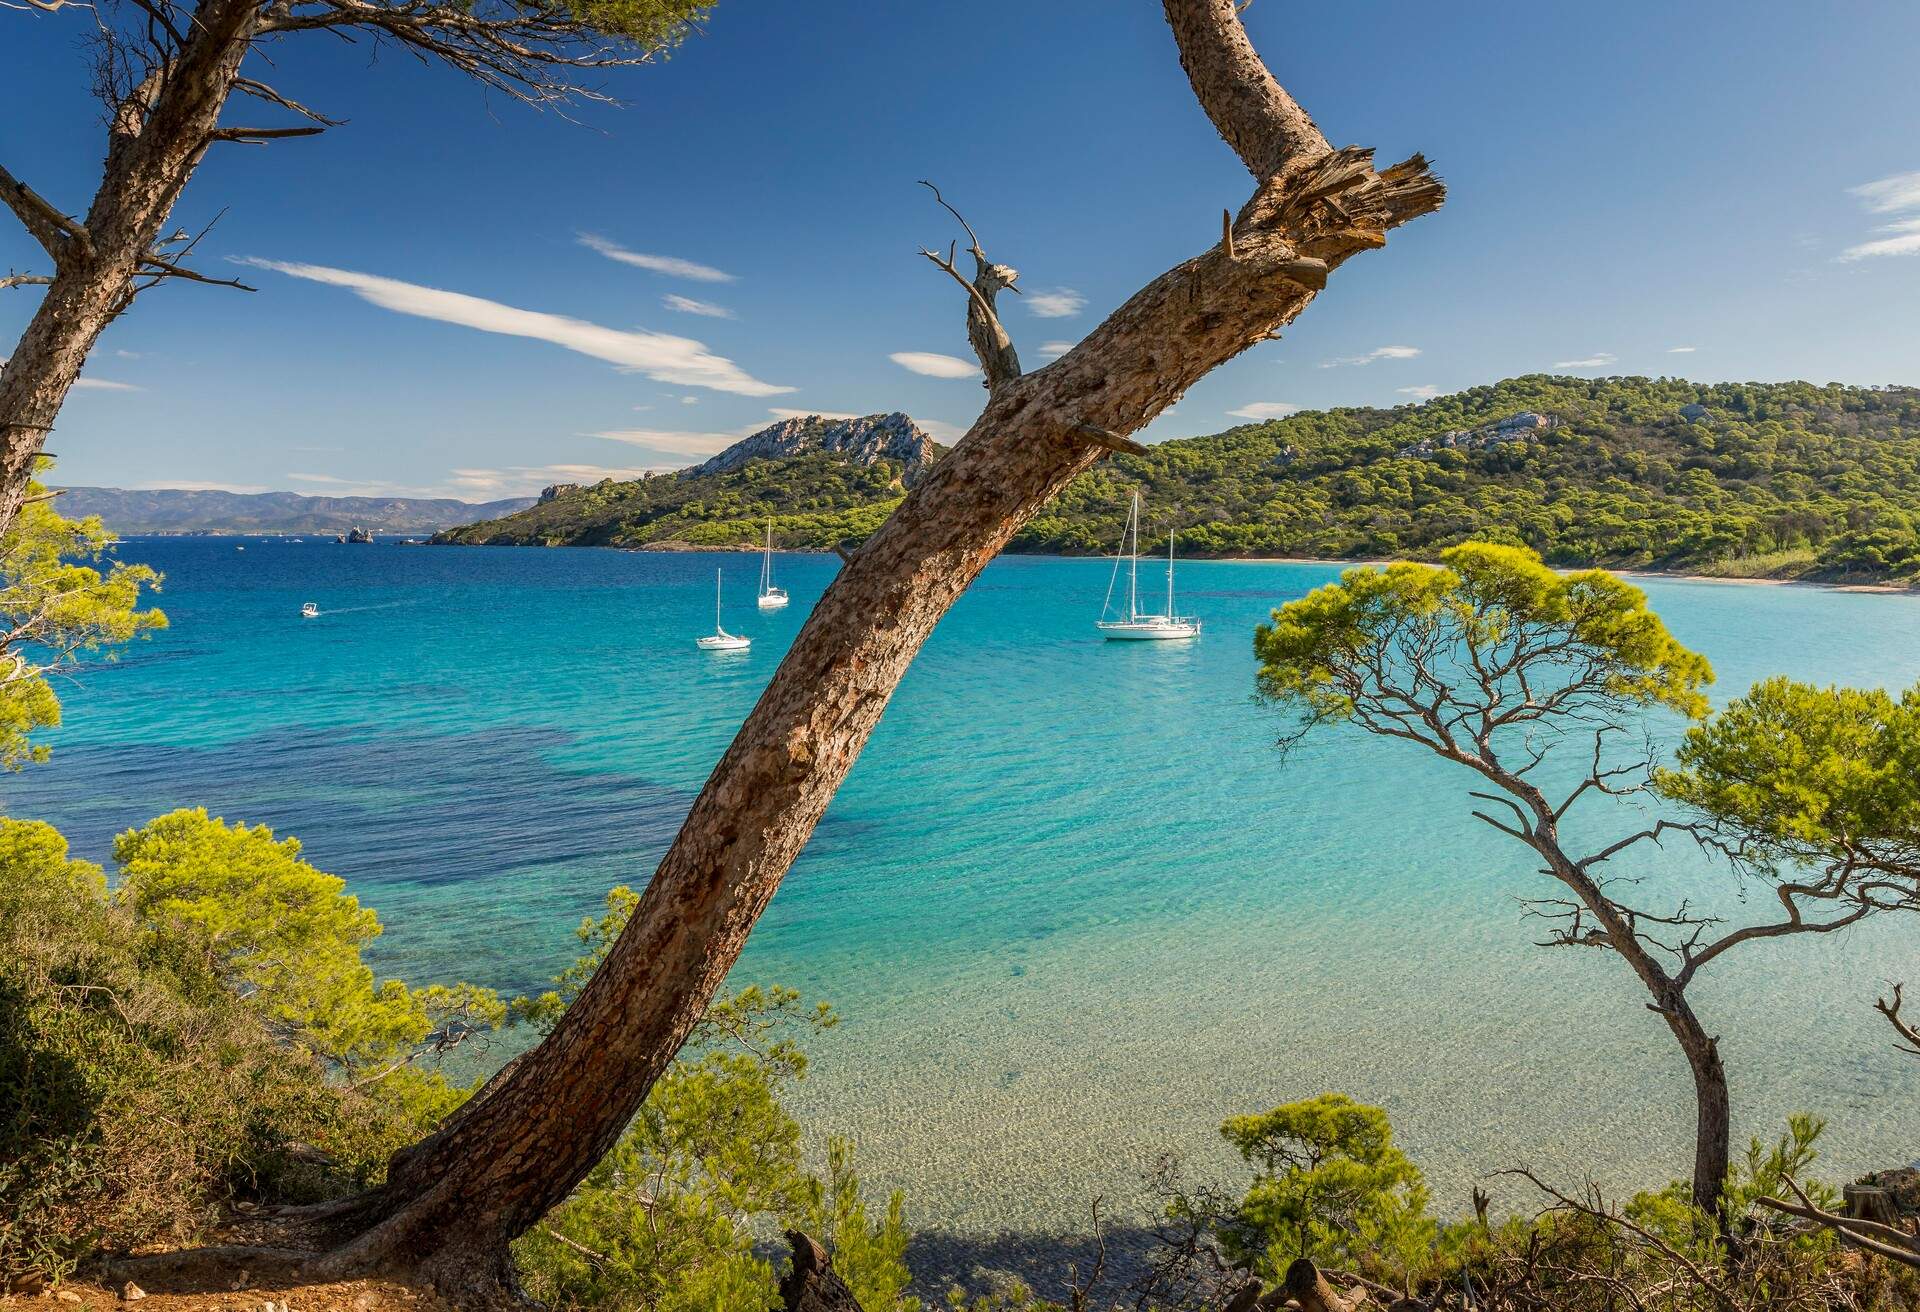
1072, 905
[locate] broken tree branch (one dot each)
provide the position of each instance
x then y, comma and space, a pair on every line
1890, 1008
1110, 440
992, 345
261, 136
55, 232
1872, 1236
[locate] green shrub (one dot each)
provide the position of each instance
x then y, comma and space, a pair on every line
136, 1090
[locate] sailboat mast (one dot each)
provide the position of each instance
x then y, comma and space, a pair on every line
1169, 573
716, 601
1133, 561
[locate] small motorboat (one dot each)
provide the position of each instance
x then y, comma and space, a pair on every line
720, 639
310, 611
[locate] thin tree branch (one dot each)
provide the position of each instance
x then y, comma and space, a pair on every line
1891, 1010
43, 221
1874, 1237
1607, 1217
260, 136
261, 91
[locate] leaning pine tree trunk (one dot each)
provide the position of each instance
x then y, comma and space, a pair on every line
159, 131
454, 1201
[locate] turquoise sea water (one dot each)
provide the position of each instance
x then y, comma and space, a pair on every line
1073, 906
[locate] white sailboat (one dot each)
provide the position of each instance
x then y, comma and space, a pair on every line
771, 597
1137, 626
720, 639
309, 611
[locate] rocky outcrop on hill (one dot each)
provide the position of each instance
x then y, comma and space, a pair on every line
861, 441
1514, 428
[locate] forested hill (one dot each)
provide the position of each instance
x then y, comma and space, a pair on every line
1779, 479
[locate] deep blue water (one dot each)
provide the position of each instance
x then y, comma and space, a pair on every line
1072, 904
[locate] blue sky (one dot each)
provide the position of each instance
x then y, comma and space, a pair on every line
1634, 188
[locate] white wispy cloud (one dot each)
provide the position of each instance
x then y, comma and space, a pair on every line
1265, 410
327, 484
942, 431
1889, 195
687, 305
1902, 238
1681, 350
662, 357
1598, 360
95, 384
1424, 392
671, 442
128, 355
194, 485
526, 480
1059, 303
935, 365
1054, 350
671, 265
1377, 354
689, 400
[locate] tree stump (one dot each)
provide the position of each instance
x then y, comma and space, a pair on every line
1314, 1292
1866, 1202
812, 1285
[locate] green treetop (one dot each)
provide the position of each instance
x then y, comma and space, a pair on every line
62, 598
289, 938
1489, 640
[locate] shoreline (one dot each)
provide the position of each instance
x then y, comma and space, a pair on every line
1671, 576
672, 546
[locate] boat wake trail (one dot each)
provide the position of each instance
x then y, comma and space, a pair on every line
354, 610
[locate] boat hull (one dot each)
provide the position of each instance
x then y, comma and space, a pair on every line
772, 602
1149, 630
728, 643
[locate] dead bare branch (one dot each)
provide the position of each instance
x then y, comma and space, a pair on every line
1599, 1212
260, 136
992, 345
1890, 1008
1112, 441
1871, 1236
55, 232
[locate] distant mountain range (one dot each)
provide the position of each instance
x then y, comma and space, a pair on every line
1782, 480
174, 510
